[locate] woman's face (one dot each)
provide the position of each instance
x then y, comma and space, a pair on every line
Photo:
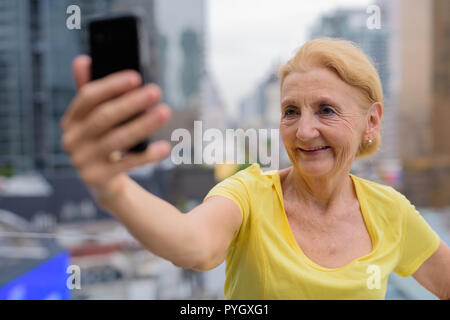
318, 109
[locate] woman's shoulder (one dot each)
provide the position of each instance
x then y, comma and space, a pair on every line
254, 171
387, 206
254, 175
375, 191
248, 185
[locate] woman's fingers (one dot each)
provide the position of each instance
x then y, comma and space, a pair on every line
111, 113
107, 116
98, 91
81, 69
122, 137
97, 173
155, 152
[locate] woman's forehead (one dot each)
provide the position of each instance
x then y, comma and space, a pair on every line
313, 80
317, 83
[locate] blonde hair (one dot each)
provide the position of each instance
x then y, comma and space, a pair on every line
350, 63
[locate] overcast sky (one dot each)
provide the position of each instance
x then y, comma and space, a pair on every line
247, 37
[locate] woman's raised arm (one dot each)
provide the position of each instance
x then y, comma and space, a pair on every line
197, 240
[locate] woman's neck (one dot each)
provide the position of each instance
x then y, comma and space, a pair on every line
319, 193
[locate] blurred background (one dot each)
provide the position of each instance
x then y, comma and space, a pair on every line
216, 61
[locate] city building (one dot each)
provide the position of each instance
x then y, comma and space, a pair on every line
261, 109
36, 82
36, 86
421, 49
182, 50
213, 111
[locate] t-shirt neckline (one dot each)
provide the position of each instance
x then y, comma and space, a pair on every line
293, 242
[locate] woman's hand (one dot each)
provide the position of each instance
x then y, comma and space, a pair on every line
90, 136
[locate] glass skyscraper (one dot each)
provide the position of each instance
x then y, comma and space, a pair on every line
36, 83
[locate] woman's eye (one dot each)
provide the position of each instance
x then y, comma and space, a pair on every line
289, 112
327, 110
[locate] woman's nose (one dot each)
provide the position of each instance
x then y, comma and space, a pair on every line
307, 128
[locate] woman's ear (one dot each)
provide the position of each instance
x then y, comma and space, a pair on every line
374, 120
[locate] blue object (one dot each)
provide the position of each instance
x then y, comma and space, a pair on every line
47, 281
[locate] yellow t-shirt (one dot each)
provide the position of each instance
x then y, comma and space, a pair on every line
264, 261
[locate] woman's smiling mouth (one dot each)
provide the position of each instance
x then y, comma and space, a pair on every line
314, 150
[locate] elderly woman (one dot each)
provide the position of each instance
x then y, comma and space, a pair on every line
310, 231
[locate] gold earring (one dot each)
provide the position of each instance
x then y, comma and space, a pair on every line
370, 141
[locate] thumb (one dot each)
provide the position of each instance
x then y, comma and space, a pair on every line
81, 68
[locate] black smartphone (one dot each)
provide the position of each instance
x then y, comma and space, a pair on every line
119, 42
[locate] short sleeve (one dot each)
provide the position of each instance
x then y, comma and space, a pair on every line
235, 189
419, 240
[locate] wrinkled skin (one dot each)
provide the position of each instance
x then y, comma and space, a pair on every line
319, 109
